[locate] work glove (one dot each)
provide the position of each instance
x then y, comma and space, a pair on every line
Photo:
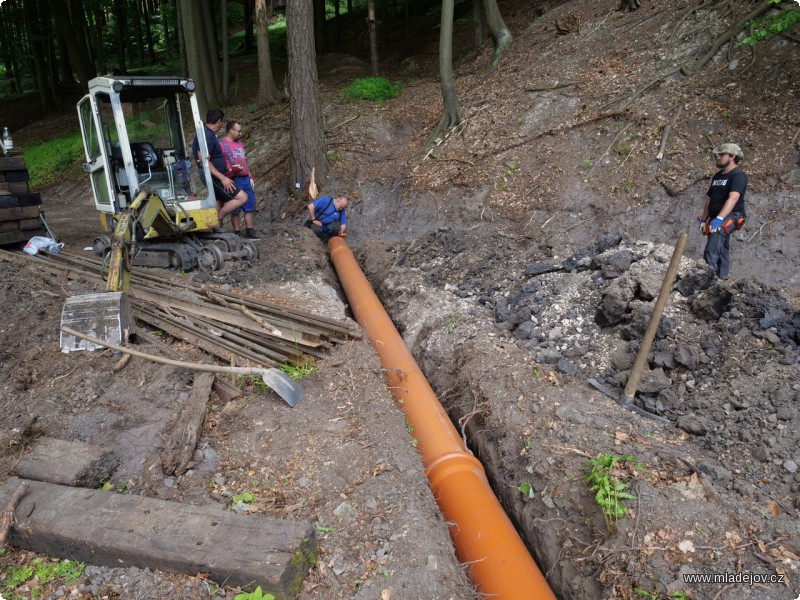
716, 224
701, 224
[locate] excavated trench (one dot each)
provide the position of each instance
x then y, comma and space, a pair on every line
508, 323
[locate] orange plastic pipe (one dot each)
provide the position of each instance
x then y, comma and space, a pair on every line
499, 563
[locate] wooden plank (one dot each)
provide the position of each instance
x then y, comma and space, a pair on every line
9, 226
14, 187
22, 235
76, 464
122, 530
11, 163
18, 176
20, 212
182, 438
29, 223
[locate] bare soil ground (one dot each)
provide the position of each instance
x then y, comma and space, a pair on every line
520, 257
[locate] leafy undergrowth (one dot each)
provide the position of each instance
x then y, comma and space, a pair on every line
25, 579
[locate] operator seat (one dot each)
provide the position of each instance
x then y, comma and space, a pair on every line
145, 157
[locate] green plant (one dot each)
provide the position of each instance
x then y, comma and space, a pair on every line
772, 25
609, 491
44, 571
511, 167
451, 323
120, 488
656, 596
256, 594
322, 528
527, 490
378, 89
300, 368
246, 498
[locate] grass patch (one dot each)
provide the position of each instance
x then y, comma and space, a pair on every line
43, 571
300, 368
378, 89
49, 161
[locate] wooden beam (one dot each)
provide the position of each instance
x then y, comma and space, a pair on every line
75, 464
122, 530
182, 437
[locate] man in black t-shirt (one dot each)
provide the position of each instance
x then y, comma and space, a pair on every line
229, 196
724, 212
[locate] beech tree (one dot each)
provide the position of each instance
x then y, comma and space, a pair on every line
305, 112
268, 92
200, 41
452, 111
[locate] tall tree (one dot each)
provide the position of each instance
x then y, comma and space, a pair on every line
223, 36
477, 22
501, 36
248, 24
305, 113
121, 26
201, 52
34, 23
71, 18
452, 111
373, 37
268, 92
147, 11
320, 34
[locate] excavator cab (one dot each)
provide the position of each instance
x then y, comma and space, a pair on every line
137, 138
135, 135
155, 200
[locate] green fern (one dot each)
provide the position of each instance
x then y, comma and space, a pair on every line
378, 89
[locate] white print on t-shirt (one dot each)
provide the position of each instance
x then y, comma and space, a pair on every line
724, 181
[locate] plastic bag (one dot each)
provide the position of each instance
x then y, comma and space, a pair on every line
40, 243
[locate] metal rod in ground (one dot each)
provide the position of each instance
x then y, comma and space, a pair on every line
655, 319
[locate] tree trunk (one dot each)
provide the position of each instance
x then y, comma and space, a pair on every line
137, 24
65, 76
147, 11
305, 114
181, 37
38, 50
223, 35
165, 25
320, 38
120, 16
337, 15
201, 52
96, 31
248, 24
452, 112
70, 24
501, 36
373, 37
477, 22
268, 92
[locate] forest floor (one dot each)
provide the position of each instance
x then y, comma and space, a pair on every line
519, 258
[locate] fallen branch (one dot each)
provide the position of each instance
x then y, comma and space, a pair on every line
550, 88
667, 130
726, 37
7, 517
610, 146
559, 129
182, 438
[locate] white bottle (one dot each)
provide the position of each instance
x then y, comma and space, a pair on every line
8, 143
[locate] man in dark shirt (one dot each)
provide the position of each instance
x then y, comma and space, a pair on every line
229, 196
724, 212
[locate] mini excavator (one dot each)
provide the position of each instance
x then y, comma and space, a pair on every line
155, 200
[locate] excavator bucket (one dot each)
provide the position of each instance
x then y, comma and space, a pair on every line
106, 316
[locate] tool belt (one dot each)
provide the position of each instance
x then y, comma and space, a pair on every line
733, 222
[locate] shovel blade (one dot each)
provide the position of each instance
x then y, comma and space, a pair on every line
286, 387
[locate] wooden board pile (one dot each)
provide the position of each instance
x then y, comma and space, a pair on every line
19, 208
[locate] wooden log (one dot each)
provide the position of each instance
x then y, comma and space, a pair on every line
182, 439
29, 223
14, 187
11, 163
122, 530
9, 226
7, 517
12, 237
17, 213
75, 463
